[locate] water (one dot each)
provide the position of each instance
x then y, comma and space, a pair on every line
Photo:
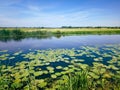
57, 43
48, 58
30, 44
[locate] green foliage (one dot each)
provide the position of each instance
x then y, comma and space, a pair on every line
77, 81
75, 74
20, 33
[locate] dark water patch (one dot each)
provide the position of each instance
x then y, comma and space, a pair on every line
43, 76
54, 64
87, 60
105, 60
12, 62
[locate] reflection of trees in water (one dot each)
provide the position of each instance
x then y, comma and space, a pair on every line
17, 35
19, 38
7, 38
7, 35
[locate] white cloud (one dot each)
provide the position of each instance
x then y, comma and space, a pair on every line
36, 17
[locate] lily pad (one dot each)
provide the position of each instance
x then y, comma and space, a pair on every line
53, 76
59, 67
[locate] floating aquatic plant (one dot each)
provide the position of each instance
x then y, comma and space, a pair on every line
3, 51
98, 59
112, 67
41, 83
50, 68
4, 57
45, 72
17, 53
58, 74
93, 75
53, 76
12, 58
59, 66
65, 68
38, 73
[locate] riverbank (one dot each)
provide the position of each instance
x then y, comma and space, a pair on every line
61, 30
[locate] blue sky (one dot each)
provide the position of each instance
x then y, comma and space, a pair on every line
56, 13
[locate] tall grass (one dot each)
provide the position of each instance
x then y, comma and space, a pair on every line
81, 81
18, 34
77, 81
49, 31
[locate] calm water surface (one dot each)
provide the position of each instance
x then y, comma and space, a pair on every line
61, 42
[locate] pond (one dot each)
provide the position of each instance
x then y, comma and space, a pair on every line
44, 60
52, 42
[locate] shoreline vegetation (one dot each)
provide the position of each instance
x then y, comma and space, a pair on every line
48, 31
18, 33
63, 30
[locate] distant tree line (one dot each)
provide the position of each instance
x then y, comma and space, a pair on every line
115, 27
92, 27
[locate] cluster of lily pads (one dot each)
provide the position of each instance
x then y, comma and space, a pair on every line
88, 67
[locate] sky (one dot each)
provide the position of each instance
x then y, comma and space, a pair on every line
57, 13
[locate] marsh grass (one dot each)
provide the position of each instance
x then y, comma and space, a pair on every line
73, 81
21, 33
81, 81
78, 81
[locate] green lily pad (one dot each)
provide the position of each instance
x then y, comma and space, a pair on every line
58, 74
41, 83
53, 76
38, 73
59, 67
